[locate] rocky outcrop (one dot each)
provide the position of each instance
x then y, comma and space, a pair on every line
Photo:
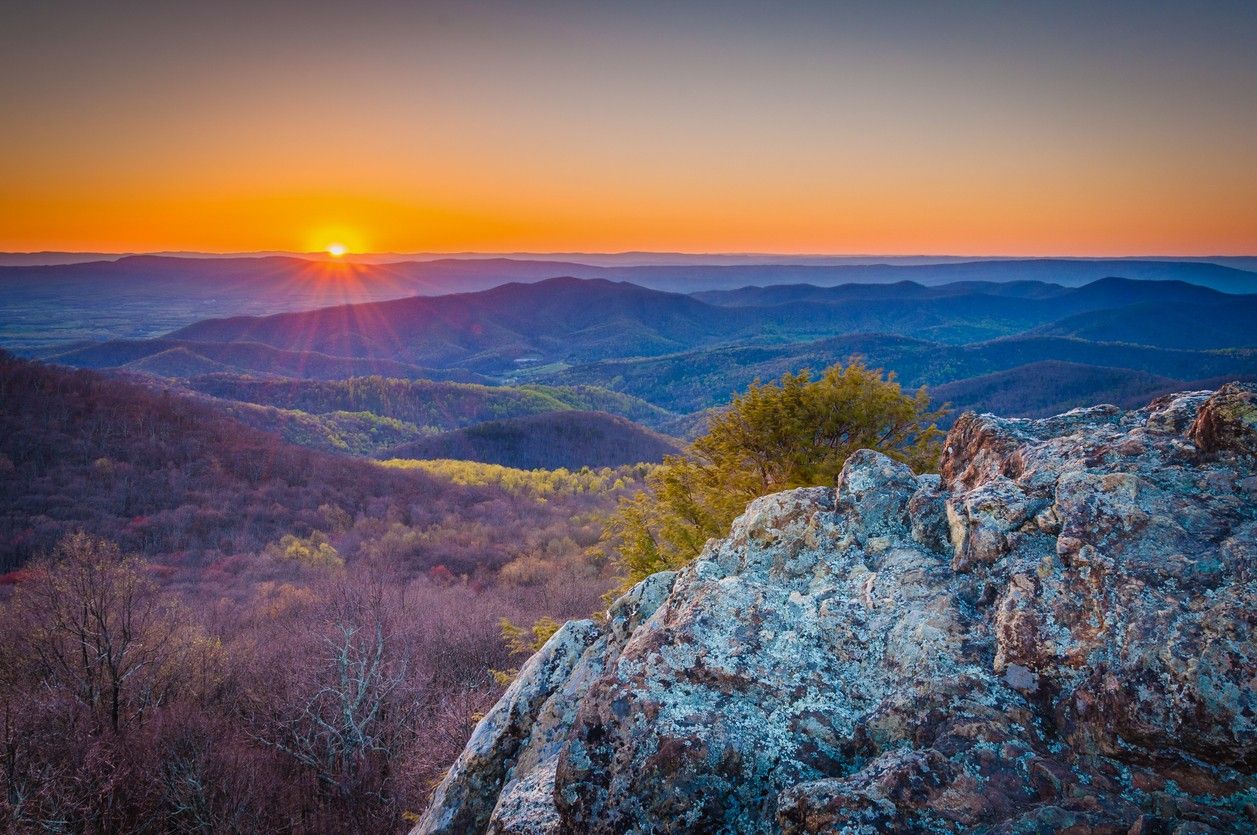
1055, 635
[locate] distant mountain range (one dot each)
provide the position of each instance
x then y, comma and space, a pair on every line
498, 330
522, 330
595, 331
150, 295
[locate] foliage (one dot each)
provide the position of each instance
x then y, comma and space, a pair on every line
524, 640
416, 405
532, 482
307, 637
796, 433
96, 630
357, 433
313, 551
527, 640
324, 705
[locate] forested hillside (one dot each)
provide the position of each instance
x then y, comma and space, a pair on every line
249, 573
177, 481
428, 405
701, 379
1043, 389
366, 416
569, 439
1175, 325
182, 358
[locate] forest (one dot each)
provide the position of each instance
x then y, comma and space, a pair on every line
208, 629
174, 480
311, 636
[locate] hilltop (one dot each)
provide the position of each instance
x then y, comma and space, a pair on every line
567, 439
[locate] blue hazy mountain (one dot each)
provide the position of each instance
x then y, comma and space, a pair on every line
1044, 342
149, 295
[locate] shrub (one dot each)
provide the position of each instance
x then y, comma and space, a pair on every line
796, 433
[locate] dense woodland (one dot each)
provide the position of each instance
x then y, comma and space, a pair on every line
427, 405
313, 635
175, 481
327, 701
373, 416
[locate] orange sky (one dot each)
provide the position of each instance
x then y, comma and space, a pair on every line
429, 127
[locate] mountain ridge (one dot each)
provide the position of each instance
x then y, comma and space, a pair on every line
570, 319
173, 291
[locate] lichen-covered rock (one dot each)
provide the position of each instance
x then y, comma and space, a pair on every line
1228, 421
1054, 636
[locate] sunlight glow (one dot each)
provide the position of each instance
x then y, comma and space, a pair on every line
336, 250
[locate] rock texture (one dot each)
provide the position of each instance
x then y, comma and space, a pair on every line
1055, 635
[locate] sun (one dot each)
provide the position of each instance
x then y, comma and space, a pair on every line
336, 250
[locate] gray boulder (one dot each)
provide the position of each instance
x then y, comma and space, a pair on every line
1056, 635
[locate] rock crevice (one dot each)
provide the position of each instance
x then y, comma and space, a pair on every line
1053, 635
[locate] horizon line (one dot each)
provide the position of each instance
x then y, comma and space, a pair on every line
615, 253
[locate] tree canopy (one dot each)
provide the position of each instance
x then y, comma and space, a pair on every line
797, 432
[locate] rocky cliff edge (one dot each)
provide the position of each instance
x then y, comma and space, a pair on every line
1053, 635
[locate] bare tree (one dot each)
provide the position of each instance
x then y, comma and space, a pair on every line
92, 651
351, 712
97, 630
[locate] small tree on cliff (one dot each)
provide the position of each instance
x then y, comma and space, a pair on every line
795, 433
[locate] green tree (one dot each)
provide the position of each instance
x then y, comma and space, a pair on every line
796, 433
315, 551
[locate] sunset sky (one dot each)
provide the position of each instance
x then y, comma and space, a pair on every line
948, 127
